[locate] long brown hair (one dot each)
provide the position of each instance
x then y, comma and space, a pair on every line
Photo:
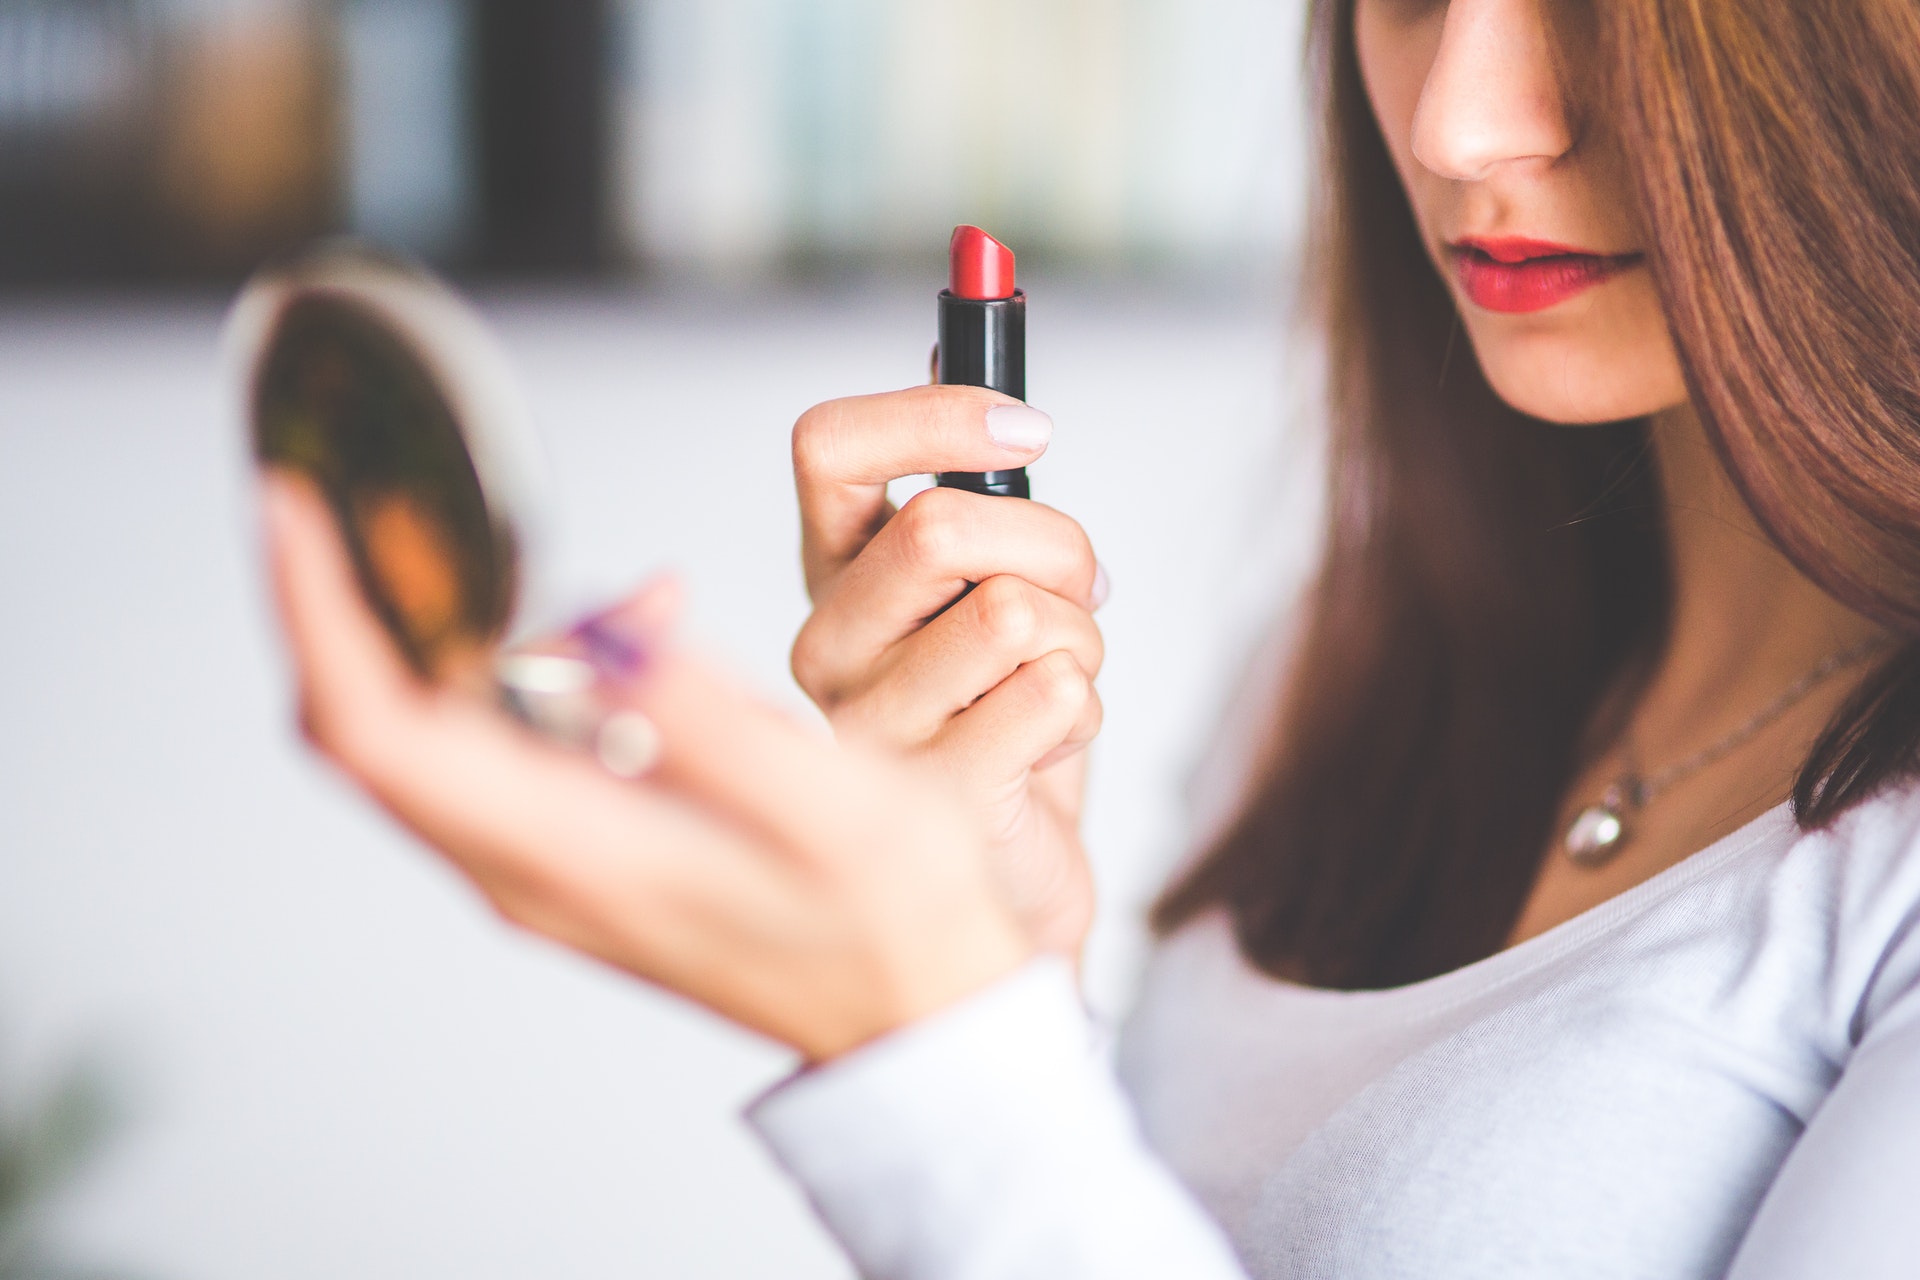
1492, 582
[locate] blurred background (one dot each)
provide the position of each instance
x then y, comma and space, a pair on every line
246, 1028
185, 139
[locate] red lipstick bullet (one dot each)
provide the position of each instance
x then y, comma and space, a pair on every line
979, 268
983, 340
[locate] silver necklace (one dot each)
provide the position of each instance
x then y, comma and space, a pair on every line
1601, 830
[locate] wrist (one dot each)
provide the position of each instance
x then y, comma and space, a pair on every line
933, 980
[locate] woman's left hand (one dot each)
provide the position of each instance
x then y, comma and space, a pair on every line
818, 894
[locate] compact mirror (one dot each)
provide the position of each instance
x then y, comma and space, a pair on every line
380, 384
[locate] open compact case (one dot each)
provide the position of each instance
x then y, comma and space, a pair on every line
377, 382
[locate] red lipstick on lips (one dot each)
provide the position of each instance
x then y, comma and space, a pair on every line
1515, 275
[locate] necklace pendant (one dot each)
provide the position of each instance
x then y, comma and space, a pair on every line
1596, 834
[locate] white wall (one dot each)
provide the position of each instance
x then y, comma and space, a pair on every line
341, 1064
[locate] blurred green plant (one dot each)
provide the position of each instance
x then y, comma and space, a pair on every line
42, 1148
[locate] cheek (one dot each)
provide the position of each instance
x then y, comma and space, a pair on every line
1396, 52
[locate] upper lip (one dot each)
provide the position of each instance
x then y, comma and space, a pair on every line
1517, 249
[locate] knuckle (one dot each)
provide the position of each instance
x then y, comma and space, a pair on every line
1008, 614
1087, 560
1059, 680
1068, 534
806, 660
1093, 715
814, 437
1058, 684
1082, 561
932, 527
1079, 542
1096, 652
1070, 551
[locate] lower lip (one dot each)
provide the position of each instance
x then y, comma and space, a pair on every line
1535, 284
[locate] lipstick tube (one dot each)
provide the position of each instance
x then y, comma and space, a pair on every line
983, 341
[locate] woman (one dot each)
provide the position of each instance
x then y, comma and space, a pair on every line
1571, 921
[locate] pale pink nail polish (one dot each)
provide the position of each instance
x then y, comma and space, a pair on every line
1101, 589
1019, 427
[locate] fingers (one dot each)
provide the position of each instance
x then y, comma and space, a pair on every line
556, 845
786, 783
474, 783
1045, 712
802, 852
940, 541
941, 670
653, 609
845, 452
356, 693
359, 703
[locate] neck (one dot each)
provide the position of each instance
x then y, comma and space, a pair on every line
1745, 621
1746, 630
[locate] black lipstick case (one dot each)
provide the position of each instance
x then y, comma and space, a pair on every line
983, 343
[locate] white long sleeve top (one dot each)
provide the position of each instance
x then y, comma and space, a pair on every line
1715, 1073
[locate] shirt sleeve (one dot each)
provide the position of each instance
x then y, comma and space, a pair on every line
1844, 1202
989, 1142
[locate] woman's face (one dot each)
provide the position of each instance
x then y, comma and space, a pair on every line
1522, 198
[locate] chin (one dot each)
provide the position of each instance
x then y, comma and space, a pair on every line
1572, 384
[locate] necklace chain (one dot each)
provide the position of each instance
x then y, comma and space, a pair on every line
1599, 831
1649, 786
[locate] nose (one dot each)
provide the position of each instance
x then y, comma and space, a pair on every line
1494, 94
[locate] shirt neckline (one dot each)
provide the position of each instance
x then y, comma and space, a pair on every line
1542, 949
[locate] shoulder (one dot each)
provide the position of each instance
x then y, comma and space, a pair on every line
1862, 874
1869, 857
1842, 1202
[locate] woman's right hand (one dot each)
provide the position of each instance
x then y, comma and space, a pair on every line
995, 688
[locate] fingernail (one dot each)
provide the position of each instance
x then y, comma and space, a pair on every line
1102, 587
614, 652
1019, 427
